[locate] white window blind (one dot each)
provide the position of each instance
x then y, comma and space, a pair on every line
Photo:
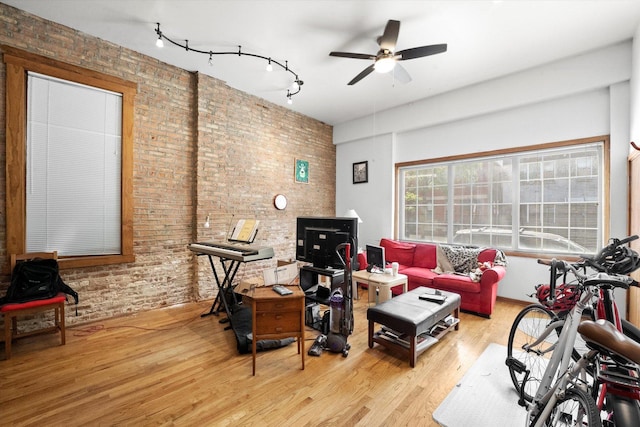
74, 137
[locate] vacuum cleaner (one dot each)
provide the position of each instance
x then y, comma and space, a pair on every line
340, 312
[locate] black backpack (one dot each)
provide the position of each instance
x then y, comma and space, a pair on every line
36, 279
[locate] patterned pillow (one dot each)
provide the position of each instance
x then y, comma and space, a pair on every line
443, 261
463, 259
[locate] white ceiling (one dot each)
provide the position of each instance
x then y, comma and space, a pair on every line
486, 39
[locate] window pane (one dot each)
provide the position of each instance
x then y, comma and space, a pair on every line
556, 190
530, 191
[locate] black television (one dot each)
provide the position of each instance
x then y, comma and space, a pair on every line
318, 237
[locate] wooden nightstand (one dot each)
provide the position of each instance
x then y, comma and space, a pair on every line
276, 317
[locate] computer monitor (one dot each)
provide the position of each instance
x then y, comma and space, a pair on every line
375, 258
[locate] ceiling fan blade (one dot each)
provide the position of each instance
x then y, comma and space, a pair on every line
362, 75
353, 55
389, 38
400, 74
419, 52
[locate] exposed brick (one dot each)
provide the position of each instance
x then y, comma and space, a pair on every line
200, 147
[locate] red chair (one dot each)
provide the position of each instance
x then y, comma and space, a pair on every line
11, 311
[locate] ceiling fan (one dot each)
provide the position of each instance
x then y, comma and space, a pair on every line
386, 59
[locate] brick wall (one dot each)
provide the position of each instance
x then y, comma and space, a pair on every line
200, 147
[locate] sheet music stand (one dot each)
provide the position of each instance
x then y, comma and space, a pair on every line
244, 231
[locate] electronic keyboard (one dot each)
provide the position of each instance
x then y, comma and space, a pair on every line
236, 252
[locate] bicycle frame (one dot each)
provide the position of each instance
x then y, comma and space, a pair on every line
560, 376
546, 397
551, 396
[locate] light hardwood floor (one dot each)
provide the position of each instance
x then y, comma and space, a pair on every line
172, 367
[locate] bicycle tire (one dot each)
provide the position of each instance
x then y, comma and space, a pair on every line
526, 328
575, 408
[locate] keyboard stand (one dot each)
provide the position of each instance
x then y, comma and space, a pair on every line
230, 260
230, 268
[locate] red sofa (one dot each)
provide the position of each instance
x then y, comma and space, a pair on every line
419, 261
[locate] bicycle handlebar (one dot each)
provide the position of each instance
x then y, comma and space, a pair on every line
560, 266
602, 262
597, 261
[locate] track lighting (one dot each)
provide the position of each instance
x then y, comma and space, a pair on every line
295, 87
159, 42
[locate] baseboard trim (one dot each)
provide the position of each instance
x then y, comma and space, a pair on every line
515, 301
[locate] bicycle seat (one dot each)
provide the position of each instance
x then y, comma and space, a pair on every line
606, 338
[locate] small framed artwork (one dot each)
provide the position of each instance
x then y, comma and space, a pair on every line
360, 172
302, 171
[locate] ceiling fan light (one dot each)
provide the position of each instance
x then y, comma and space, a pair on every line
384, 65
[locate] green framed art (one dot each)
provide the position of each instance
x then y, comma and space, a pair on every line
302, 171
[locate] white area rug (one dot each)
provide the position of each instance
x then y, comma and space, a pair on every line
484, 397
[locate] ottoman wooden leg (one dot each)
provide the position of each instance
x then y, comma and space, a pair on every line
456, 314
412, 352
371, 322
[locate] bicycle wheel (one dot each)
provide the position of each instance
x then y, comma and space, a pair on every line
575, 408
527, 327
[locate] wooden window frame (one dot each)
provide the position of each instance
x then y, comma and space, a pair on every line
18, 63
605, 228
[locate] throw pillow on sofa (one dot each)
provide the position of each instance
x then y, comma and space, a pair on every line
444, 265
463, 259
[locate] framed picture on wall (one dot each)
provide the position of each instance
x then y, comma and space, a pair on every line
302, 171
360, 172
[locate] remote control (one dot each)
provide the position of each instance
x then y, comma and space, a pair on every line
281, 290
433, 298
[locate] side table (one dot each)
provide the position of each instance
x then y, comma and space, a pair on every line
382, 282
276, 317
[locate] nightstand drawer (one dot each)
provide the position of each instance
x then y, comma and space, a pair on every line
286, 304
278, 322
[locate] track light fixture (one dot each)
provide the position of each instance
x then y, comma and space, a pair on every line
297, 83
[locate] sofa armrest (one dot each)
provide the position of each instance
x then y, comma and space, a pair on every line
492, 275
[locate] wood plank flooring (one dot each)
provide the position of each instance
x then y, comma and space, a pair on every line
172, 367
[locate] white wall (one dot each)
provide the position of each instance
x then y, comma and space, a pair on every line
578, 97
373, 201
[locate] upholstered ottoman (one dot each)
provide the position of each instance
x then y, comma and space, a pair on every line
411, 324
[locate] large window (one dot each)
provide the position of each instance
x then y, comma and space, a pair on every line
547, 199
74, 141
69, 161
